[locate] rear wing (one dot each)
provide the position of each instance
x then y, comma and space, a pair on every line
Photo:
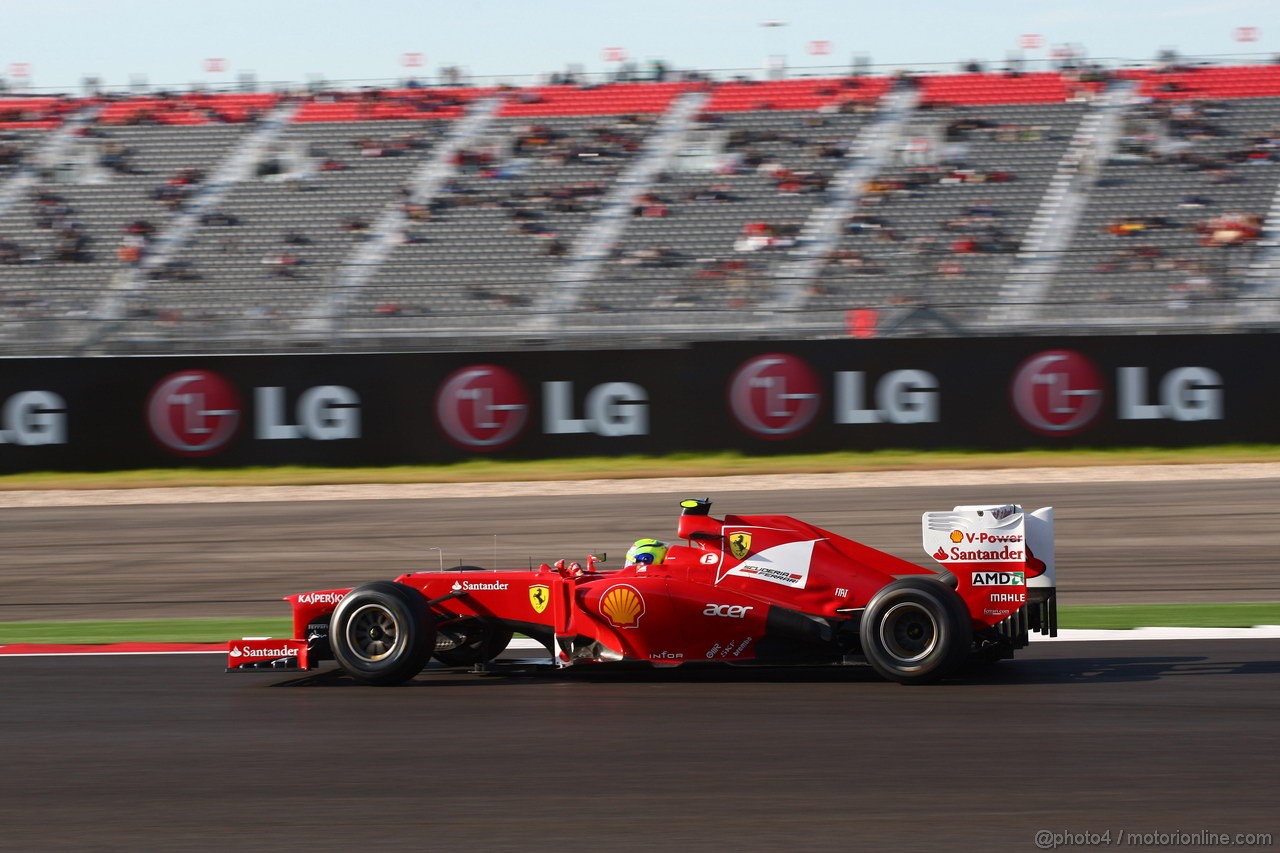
1002, 557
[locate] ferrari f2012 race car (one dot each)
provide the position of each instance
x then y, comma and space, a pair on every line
752, 589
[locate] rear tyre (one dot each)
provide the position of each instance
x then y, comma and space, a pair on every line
470, 641
915, 630
382, 633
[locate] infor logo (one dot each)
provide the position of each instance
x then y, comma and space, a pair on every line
194, 413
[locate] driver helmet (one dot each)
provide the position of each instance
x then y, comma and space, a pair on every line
646, 552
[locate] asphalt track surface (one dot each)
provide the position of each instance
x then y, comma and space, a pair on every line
170, 753
1194, 540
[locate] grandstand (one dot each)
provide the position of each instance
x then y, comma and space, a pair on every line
446, 217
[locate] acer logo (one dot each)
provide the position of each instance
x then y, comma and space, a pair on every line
728, 611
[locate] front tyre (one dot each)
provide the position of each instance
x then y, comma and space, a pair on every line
915, 630
382, 633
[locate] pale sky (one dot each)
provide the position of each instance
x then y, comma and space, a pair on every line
62, 41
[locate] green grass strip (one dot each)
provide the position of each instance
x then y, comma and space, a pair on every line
1111, 616
144, 631
1104, 616
627, 467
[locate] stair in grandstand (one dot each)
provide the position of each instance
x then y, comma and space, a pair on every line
593, 247
49, 156
1261, 299
388, 231
131, 283
821, 233
1056, 220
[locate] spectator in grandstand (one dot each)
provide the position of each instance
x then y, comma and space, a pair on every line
1230, 229
853, 263
11, 253
72, 245
865, 223
115, 157
10, 154
715, 192
951, 269
1129, 225
283, 265
219, 218
51, 210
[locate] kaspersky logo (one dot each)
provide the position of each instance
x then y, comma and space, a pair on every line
774, 396
622, 605
194, 413
1057, 392
482, 407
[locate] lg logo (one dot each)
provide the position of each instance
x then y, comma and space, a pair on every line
198, 413
777, 396
1061, 393
32, 418
774, 396
194, 413
1057, 392
486, 407
482, 407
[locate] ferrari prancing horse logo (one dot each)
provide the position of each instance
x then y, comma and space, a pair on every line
539, 596
740, 545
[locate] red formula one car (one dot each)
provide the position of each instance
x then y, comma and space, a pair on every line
758, 589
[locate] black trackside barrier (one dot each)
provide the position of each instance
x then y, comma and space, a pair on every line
757, 398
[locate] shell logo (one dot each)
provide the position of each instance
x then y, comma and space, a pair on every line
623, 606
956, 536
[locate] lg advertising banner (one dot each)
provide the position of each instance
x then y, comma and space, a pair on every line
813, 396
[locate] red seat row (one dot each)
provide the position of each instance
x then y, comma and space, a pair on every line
629, 98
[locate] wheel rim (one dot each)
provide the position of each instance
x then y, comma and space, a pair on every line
373, 633
908, 632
